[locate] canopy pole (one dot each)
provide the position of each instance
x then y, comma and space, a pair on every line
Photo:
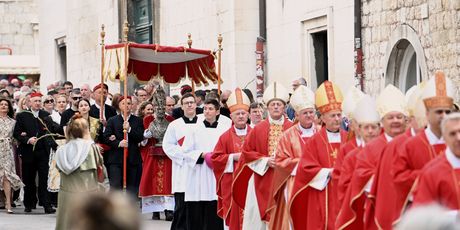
189, 42
101, 114
125, 92
219, 56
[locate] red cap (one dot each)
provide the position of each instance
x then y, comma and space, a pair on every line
184, 89
98, 86
36, 94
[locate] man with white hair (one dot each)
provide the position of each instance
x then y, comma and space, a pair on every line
313, 192
85, 91
251, 188
439, 180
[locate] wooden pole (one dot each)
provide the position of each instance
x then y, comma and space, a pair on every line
189, 42
219, 57
101, 111
125, 93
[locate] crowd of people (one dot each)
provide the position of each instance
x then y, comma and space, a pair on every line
221, 160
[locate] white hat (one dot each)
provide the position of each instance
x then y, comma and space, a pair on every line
366, 111
238, 100
302, 98
439, 92
352, 98
391, 99
414, 101
409, 92
275, 91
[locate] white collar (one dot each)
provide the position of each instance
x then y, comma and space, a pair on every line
241, 132
276, 122
452, 159
129, 115
360, 142
412, 132
97, 106
333, 137
388, 137
35, 113
433, 139
307, 132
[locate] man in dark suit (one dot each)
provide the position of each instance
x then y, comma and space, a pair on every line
113, 136
98, 91
75, 97
30, 126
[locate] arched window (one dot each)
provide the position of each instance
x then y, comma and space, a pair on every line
403, 70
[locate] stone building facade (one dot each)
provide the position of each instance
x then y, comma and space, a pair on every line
293, 30
19, 44
406, 41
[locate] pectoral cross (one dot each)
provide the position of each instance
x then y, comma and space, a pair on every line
334, 154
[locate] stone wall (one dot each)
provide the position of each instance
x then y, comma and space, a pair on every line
78, 23
17, 21
436, 24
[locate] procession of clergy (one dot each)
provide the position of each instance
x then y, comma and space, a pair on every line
401, 152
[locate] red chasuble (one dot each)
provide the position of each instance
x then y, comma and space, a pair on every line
366, 163
156, 167
336, 174
290, 148
382, 198
309, 207
408, 164
439, 182
228, 143
346, 172
255, 147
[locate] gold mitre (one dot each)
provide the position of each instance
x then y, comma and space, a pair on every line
238, 100
302, 98
353, 96
276, 91
328, 97
439, 92
366, 111
391, 99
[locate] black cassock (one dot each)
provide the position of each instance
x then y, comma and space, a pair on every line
114, 157
35, 160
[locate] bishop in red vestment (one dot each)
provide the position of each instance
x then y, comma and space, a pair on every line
290, 148
440, 179
253, 181
392, 109
383, 195
225, 159
425, 146
313, 202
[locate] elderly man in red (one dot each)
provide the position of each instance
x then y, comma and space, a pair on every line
427, 145
439, 179
313, 202
226, 155
253, 183
290, 148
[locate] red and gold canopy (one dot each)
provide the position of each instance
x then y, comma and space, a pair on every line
146, 61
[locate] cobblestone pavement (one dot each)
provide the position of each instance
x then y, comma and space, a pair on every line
37, 220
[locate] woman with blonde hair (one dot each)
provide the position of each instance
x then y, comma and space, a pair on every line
78, 161
145, 109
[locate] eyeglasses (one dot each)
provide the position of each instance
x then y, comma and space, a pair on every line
77, 98
48, 101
